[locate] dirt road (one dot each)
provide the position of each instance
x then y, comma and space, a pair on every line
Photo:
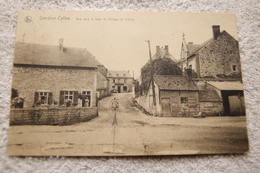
134, 134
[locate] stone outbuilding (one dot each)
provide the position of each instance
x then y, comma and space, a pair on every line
175, 96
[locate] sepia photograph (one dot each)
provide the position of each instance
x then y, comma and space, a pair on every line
117, 83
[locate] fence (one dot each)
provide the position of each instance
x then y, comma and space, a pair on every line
51, 116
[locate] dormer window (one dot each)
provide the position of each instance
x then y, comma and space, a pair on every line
211, 52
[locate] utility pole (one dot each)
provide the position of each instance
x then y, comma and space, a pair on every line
152, 73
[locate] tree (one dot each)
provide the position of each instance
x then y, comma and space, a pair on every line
161, 66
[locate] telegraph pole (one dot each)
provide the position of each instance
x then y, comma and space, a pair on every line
152, 73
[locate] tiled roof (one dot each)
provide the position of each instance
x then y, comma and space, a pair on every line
119, 74
174, 82
208, 95
39, 54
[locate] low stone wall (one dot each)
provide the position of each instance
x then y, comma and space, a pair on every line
51, 116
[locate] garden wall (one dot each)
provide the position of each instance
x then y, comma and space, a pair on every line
51, 116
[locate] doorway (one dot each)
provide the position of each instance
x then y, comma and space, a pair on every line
119, 89
166, 107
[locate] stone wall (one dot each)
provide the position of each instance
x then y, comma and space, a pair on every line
218, 57
27, 80
51, 116
179, 109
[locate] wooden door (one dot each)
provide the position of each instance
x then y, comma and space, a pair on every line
236, 105
166, 107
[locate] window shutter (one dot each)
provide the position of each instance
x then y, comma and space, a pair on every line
61, 97
50, 98
36, 97
76, 96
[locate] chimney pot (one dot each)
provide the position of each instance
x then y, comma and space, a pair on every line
157, 49
216, 31
166, 49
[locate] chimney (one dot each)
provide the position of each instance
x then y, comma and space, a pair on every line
216, 31
61, 44
157, 49
166, 49
188, 72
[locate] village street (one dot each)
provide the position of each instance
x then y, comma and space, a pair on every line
135, 133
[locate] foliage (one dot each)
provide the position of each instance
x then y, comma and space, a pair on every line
82, 96
161, 66
17, 102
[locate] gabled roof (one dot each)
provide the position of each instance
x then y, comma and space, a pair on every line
122, 73
39, 54
191, 48
174, 82
208, 96
195, 48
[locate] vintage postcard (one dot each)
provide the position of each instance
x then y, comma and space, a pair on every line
94, 83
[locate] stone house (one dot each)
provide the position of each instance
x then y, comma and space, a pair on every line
216, 57
102, 81
175, 96
212, 64
47, 74
120, 81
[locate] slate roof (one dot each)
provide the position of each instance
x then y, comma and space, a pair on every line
208, 95
121, 74
39, 54
235, 86
191, 48
174, 82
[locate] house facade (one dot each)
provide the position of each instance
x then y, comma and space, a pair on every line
120, 81
215, 68
47, 75
216, 57
175, 96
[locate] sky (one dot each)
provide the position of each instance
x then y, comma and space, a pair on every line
118, 39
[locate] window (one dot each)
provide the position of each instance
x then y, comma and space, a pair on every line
184, 99
114, 80
211, 52
234, 67
86, 102
43, 97
190, 66
113, 86
124, 80
69, 97
231, 52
